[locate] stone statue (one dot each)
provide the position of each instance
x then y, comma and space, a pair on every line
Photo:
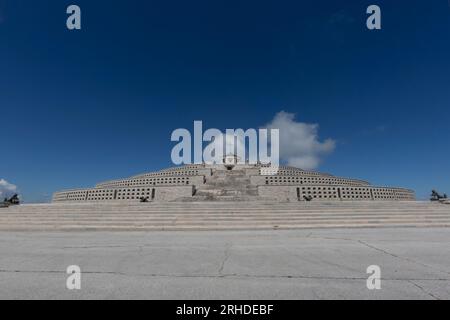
308, 198
143, 199
435, 196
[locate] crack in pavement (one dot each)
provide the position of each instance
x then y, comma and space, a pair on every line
364, 243
423, 290
139, 246
226, 256
316, 296
385, 252
230, 275
97, 247
401, 258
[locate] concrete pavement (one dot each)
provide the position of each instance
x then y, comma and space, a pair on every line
272, 264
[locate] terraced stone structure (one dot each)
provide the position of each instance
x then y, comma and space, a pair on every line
233, 181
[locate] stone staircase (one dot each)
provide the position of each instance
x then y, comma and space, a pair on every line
221, 215
226, 186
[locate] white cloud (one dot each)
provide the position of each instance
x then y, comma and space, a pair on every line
299, 142
6, 189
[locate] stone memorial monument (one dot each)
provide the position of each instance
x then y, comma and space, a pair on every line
235, 181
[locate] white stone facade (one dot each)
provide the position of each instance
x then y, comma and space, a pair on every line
240, 182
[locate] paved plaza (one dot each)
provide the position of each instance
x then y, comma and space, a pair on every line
272, 264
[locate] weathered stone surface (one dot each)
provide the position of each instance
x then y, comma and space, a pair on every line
239, 182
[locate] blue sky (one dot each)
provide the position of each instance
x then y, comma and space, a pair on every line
79, 107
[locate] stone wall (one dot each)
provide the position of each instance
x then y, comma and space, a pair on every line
157, 193
280, 193
154, 181
298, 193
306, 180
172, 193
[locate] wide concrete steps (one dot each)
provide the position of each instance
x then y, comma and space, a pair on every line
222, 216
